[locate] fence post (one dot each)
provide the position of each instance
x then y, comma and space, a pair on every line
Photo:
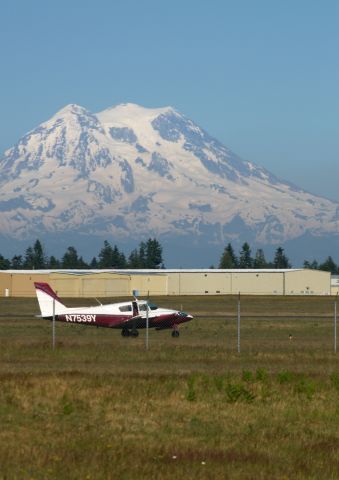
239, 323
335, 324
147, 325
53, 325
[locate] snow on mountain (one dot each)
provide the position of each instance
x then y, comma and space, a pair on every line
131, 172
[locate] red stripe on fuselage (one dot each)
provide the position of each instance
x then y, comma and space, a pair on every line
119, 321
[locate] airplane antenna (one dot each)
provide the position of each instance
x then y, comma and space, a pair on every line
98, 301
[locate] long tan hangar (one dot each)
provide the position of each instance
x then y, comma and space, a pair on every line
111, 283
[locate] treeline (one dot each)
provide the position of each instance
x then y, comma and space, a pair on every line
245, 259
147, 255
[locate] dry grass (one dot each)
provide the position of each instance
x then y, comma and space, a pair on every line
101, 407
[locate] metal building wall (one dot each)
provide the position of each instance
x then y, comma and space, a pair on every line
105, 287
293, 282
5, 283
225, 283
20, 284
199, 283
307, 282
171, 282
154, 284
90, 285
258, 283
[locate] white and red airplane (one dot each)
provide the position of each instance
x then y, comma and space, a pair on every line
128, 316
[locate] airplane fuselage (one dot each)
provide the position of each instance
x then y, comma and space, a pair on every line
164, 319
128, 316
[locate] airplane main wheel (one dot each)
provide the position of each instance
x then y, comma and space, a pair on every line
125, 332
175, 333
134, 333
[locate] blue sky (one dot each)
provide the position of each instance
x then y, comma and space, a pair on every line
262, 76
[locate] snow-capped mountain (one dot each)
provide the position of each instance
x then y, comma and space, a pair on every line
131, 172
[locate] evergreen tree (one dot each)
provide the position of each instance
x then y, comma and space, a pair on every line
228, 258
311, 265
94, 263
39, 256
29, 259
17, 262
314, 265
111, 257
4, 263
329, 265
82, 263
153, 254
35, 257
134, 259
106, 256
53, 263
70, 258
245, 259
280, 259
260, 260
142, 255
118, 258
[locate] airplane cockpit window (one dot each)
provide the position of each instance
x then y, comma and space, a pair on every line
143, 307
152, 306
125, 308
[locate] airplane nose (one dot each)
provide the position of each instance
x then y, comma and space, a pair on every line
185, 315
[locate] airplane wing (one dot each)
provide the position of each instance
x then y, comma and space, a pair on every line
131, 323
134, 322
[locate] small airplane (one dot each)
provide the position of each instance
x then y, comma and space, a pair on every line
128, 316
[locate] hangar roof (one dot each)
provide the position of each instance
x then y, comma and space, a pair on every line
154, 271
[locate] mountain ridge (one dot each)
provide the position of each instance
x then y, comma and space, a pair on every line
131, 171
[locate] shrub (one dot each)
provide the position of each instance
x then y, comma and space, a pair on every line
261, 375
247, 376
305, 387
285, 377
237, 392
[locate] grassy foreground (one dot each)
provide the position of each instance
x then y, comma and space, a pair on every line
102, 407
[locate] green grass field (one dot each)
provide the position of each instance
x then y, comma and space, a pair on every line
102, 407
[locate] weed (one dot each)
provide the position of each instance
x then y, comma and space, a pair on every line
335, 380
66, 406
305, 387
285, 377
261, 375
236, 392
219, 382
191, 395
247, 376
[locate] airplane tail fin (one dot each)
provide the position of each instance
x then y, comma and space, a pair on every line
48, 300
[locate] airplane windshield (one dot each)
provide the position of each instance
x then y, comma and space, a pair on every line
151, 306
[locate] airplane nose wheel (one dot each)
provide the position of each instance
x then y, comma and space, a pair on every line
175, 333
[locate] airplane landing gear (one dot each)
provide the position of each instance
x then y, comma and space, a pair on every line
175, 333
129, 333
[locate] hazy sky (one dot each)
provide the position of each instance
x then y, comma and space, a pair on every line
262, 76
